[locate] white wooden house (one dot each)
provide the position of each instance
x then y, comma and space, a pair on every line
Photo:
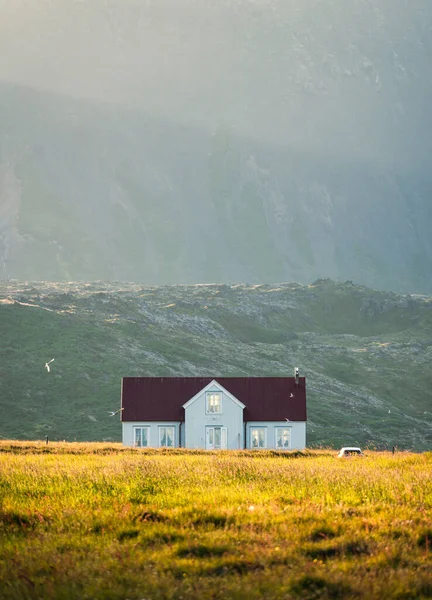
220, 413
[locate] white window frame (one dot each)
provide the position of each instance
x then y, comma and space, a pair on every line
208, 407
224, 438
140, 428
161, 428
258, 428
289, 429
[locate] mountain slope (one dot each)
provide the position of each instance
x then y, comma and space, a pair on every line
366, 354
182, 142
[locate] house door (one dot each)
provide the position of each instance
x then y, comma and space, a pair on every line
216, 438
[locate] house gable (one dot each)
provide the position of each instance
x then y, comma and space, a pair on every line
213, 386
214, 419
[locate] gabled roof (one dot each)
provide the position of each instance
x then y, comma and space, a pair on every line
162, 398
214, 384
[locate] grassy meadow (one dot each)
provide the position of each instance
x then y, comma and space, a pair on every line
99, 521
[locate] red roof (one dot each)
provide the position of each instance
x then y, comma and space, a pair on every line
162, 398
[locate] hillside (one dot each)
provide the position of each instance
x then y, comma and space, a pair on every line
182, 141
366, 353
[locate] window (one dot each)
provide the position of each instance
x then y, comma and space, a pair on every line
142, 437
214, 403
166, 437
216, 438
258, 437
283, 438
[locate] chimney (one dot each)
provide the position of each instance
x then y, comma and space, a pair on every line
296, 375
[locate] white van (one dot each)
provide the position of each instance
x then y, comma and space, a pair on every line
350, 451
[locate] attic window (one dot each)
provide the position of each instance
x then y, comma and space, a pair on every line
214, 403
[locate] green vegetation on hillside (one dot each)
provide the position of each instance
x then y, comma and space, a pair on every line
366, 354
102, 522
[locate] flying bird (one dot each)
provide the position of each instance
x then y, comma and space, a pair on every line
47, 365
291, 395
112, 413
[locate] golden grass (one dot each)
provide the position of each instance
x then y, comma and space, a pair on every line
100, 521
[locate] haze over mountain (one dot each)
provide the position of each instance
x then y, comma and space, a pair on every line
179, 141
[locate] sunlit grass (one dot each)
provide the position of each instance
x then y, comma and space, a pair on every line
106, 522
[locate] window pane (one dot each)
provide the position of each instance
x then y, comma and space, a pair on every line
223, 437
211, 438
162, 436
137, 437
169, 436
261, 438
144, 437
217, 441
279, 438
254, 437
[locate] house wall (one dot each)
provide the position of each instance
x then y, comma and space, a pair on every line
128, 432
298, 433
196, 421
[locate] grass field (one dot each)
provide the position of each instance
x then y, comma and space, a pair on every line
99, 521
